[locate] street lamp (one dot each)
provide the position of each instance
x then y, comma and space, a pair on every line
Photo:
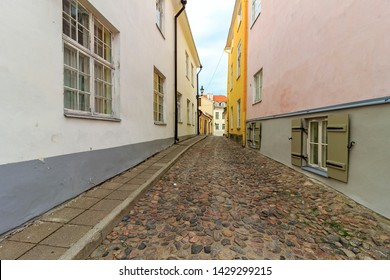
201, 90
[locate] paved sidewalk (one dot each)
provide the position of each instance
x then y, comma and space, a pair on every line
73, 230
220, 201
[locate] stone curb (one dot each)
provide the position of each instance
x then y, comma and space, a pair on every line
85, 246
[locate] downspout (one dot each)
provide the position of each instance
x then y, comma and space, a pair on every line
183, 2
197, 98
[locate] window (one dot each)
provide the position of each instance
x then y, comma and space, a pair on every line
223, 126
239, 17
317, 144
217, 115
159, 14
188, 112
231, 77
223, 116
187, 65
327, 150
217, 126
238, 113
193, 114
258, 86
158, 100
88, 65
179, 114
239, 60
192, 75
231, 122
256, 9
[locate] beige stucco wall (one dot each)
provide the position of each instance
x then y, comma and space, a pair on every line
369, 165
318, 53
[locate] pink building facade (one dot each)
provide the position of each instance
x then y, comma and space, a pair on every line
318, 94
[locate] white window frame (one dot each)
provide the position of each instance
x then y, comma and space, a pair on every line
216, 126
239, 60
321, 143
192, 75
187, 65
158, 97
188, 112
217, 115
160, 14
238, 113
258, 86
256, 9
239, 17
231, 121
193, 113
99, 50
179, 113
231, 76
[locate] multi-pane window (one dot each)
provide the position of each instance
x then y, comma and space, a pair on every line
193, 114
217, 126
223, 116
239, 59
239, 17
238, 113
317, 143
158, 100
223, 126
188, 112
187, 65
258, 86
192, 74
231, 121
159, 13
217, 115
256, 9
179, 115
231, 77
88, 67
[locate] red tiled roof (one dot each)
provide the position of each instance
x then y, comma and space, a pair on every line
220, 98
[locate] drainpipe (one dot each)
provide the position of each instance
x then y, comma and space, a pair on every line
197, 97
183, 2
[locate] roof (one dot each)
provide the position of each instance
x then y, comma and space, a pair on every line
220, 98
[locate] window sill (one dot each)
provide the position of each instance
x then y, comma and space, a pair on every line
159, 29
315, 171
160, 123
91, 117
180, 122
256, 102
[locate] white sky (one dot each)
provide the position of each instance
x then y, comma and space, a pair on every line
210, 22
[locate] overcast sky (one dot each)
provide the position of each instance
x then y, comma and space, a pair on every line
210, 22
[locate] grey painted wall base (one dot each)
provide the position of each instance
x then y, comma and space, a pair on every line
369, 165
29, 189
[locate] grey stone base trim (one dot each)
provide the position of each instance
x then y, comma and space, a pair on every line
29, 189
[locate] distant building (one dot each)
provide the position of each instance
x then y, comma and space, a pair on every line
206, 108
318, 92
220, 102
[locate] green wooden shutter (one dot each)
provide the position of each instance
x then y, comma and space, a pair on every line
338, 138
257, 135
296, 142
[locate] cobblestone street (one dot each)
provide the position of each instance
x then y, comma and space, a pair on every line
221, 201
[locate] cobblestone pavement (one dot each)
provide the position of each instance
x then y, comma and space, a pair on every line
220, 201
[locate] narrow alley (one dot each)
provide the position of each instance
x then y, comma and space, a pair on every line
221, 201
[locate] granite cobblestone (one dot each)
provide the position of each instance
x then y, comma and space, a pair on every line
220, 201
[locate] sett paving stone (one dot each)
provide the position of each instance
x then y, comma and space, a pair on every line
221, 201
43, 252
36, 232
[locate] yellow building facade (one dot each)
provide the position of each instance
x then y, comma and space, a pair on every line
236, 48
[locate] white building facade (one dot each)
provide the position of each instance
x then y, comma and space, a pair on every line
87, 92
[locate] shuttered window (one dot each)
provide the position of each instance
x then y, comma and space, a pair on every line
253, 130
327, 145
